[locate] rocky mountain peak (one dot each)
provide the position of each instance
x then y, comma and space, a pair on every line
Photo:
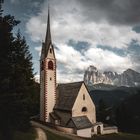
128, 78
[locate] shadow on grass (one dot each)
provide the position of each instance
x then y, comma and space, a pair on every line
119, 136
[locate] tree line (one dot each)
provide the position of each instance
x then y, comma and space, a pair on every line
19, 93
125, 115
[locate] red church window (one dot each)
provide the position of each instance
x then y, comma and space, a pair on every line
50, 65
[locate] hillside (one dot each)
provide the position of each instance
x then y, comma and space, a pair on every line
112, 96
32, 135
128, 114
118, 106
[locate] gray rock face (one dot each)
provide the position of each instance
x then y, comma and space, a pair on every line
128, 78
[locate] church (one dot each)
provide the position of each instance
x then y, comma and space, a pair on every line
67, 106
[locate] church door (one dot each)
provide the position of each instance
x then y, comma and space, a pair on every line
99, 130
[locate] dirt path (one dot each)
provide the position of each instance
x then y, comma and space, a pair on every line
41, 135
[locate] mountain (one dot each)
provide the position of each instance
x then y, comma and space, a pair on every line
129, 78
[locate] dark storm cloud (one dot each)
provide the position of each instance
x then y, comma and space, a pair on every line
125, 12
134, 53
136, 29
23, 8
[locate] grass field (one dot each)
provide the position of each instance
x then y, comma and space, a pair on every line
32, 135
119, 136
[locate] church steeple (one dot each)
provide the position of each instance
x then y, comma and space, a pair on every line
47, 76
48, 40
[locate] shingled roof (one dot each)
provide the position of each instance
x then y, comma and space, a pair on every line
66, 95
54, 116
81, 122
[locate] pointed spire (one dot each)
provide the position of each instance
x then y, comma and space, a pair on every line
48, 40
48, 33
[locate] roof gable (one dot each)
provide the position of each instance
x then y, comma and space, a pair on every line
84, 105
79, 100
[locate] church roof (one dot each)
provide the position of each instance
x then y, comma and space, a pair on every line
81, 122
66, 95
54, 116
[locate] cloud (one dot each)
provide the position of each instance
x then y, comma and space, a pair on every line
126, 12
69, 23
133, 51
80, 26
108, 60
38, 49
14, 1
37, 78
72, 64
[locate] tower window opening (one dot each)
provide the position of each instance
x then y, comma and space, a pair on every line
83, 96
50, 50
50, 65
84, 109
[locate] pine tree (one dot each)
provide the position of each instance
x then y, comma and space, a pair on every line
17, 86
7, 23
21, 81
21, 65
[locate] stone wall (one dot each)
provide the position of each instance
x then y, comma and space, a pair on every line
109, 130
84, 132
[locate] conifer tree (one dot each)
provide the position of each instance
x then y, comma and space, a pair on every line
17, 86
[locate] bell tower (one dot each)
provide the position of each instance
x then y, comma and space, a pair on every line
47, 76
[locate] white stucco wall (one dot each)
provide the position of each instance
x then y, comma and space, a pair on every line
88, 103
94, 129
48, 87
84, 132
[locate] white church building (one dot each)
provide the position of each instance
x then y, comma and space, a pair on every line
67, 106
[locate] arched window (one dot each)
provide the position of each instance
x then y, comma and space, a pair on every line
50, 65
84, 109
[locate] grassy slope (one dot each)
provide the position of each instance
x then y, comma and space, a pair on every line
119, 136
51, 136
25, 135
31, 135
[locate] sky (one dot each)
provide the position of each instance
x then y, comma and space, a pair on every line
103, 33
